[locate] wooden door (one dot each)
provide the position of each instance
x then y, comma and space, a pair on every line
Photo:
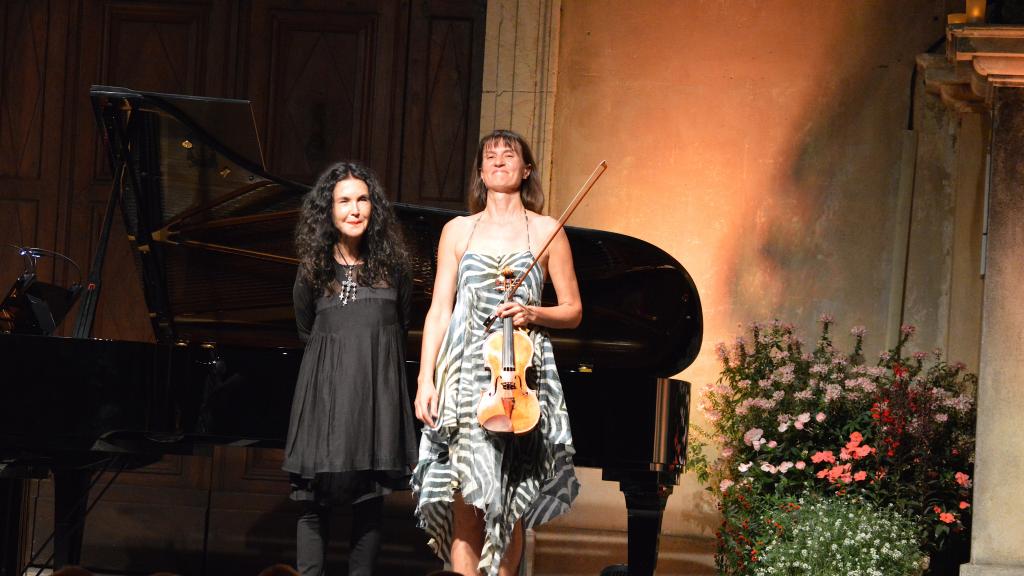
393, 83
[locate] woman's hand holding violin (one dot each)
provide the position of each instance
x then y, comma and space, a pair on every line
426, 401
522, 316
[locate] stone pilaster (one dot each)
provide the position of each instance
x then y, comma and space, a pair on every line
987, 71
520, 66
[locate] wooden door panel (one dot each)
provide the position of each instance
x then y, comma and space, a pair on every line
325, 79
33, 46
442, 116
23, 87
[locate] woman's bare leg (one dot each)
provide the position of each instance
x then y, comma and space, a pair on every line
467, 537
514, 552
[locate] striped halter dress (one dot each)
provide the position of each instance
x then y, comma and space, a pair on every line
528, 477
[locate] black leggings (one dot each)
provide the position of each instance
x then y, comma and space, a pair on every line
313, 533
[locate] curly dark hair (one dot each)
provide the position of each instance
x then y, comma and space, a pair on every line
531, 191
382, 248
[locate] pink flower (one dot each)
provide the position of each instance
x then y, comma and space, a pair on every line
860, 476
908, 329
725, 484
855, 439
727, 451
768, 468
947, 517
826, 456
753, 438
819, 417
752, 435
773, 444
785, 426
859, 331
785, 466
800, 465
963, 479
964, 505
722, 351
744, 467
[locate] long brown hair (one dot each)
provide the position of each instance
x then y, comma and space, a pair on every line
531, 192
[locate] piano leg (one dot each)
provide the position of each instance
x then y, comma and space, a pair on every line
70, 494
645, 505
12, 493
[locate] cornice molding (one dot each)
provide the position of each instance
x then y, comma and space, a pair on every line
978, 58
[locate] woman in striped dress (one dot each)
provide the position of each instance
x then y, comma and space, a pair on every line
478, 490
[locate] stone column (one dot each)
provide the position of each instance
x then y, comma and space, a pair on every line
988, 67
998, 533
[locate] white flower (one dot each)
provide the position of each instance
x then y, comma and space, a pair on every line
744, 467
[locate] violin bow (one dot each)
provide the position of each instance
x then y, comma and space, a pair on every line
509, 290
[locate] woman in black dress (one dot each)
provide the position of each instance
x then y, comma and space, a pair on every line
351, 437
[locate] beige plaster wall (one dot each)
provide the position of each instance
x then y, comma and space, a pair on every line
759, 143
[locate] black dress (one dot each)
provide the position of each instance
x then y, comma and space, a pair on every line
351, 435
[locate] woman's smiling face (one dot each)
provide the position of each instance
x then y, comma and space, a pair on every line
352, 207
503, 169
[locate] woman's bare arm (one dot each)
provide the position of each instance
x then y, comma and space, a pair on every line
438, 317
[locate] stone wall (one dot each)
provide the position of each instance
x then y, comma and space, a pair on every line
771, 149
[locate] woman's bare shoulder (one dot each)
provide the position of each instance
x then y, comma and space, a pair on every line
458, 226
542, 223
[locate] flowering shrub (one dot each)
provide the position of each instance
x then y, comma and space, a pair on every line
790, 421
843, 535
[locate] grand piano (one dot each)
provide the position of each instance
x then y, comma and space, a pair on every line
212, 232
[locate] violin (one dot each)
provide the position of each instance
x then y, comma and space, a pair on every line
510, 405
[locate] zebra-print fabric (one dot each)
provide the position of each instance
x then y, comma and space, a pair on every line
528, 477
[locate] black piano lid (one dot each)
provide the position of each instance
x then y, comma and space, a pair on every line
214, 232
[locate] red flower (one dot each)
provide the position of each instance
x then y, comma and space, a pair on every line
826, 456
899, 371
